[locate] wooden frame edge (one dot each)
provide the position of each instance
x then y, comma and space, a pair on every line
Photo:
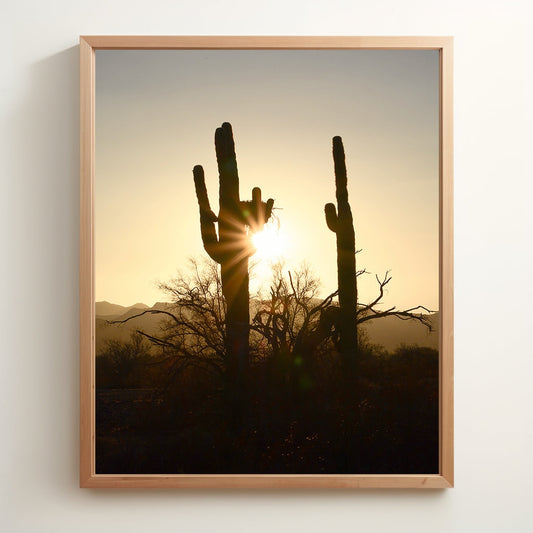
446, 264
88, 478
258, 42
269, 481
87, 336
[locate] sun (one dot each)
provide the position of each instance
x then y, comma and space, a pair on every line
272, 248
271, 244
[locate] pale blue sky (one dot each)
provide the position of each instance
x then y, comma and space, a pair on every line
156, 113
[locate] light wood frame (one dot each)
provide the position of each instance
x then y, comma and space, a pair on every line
88, 478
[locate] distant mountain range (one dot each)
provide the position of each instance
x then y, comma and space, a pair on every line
107, 312
388, 332
108, 309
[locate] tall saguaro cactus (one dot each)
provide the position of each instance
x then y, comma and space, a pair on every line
340, 221
231, 248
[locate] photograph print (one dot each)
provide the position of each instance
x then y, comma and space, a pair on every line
266, 246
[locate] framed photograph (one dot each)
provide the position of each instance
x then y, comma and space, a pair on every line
266, 284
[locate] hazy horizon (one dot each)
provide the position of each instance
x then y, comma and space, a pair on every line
156, 114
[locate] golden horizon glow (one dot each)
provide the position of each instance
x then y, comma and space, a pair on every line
156, 114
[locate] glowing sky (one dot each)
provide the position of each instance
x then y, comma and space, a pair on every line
156, 114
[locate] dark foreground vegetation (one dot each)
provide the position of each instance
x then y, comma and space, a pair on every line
385, 423
162, 404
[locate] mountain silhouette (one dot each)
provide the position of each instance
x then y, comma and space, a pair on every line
106, 308
389, 332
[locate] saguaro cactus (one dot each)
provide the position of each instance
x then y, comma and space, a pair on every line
231, 248
340, 221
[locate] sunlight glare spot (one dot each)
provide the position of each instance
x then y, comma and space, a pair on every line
270, 243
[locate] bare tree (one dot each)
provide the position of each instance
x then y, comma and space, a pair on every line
293, 320
192, 331
366, 312
295, 326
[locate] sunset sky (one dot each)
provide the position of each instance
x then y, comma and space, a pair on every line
156, 114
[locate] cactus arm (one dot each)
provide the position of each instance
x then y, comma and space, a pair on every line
255, 212
258, 219
201, 193
268, 208
207, 217
260, 210
331, 217
256, 196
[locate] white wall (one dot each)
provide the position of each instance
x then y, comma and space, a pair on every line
39, 270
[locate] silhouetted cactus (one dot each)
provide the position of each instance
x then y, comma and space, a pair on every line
231, 248
340, 221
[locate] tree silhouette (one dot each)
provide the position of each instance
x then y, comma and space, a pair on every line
191, 332
293, 311
366, 312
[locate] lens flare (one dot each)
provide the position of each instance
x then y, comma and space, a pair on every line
270, 243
